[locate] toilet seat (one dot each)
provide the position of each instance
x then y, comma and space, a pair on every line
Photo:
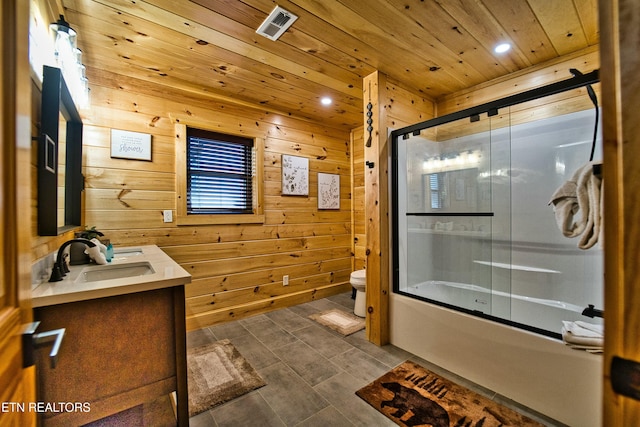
358, 279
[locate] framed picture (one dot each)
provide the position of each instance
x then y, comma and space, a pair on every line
130, 145
328, 191
295, 176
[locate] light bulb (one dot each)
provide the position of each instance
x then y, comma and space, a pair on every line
502, 48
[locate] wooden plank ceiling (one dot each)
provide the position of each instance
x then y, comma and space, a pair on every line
209, 50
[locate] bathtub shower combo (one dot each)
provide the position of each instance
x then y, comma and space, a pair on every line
474, 228
483, 277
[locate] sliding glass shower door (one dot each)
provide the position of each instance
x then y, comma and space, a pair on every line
474, 227
454, 207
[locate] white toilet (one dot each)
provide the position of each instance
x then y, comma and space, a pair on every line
359, 281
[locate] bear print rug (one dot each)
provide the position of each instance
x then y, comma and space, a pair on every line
410, 395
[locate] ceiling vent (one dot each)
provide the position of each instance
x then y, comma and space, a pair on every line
276, 23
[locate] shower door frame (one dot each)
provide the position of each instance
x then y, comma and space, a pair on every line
491, 109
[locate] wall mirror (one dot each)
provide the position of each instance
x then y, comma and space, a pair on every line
60, 180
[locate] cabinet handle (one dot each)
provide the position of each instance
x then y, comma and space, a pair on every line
43, 338
31, 341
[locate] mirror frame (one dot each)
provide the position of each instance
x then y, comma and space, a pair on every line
56, 100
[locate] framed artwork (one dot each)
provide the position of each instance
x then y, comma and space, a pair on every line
328, 191
295, 176
130, 145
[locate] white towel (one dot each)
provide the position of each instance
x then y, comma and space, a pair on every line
583, 329
589, 349
582, 193
99, 244
588, 328
583, 335
95, 253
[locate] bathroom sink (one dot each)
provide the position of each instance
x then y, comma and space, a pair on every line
117, 271
127, 252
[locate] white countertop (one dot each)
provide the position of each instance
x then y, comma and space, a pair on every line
167, 273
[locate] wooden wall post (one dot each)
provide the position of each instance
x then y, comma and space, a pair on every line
376, 156
619, 39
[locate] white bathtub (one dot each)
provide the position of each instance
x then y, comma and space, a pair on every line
541, 313
539, 372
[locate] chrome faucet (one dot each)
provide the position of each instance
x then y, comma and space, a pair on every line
59, 267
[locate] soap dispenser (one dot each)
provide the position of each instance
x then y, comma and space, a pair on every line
109, 251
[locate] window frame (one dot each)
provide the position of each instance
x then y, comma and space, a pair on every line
182, 215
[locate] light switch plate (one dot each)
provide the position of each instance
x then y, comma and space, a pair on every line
167, 215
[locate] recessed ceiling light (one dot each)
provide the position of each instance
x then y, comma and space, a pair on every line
502, 48
326, 101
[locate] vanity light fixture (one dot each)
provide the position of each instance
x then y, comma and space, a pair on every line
62, 26
502, 48
325, 100
69, 59
452, 161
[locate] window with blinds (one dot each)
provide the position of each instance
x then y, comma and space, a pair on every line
220, 170
435, 185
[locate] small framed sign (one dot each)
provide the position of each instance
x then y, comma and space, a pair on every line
130, 145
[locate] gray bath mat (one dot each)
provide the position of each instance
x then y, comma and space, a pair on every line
340, 321
217, 373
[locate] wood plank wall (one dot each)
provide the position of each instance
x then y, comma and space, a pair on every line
237, 270
619, 28
402, 108
392, 107
358, 221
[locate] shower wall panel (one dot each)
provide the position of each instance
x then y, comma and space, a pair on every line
473, 212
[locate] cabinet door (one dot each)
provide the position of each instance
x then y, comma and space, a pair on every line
119, 352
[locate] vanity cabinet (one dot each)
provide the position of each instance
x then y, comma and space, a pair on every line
124, 348
118, 352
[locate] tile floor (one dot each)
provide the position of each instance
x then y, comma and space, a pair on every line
312, 372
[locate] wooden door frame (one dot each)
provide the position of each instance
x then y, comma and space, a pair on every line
619, 21
17, 385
